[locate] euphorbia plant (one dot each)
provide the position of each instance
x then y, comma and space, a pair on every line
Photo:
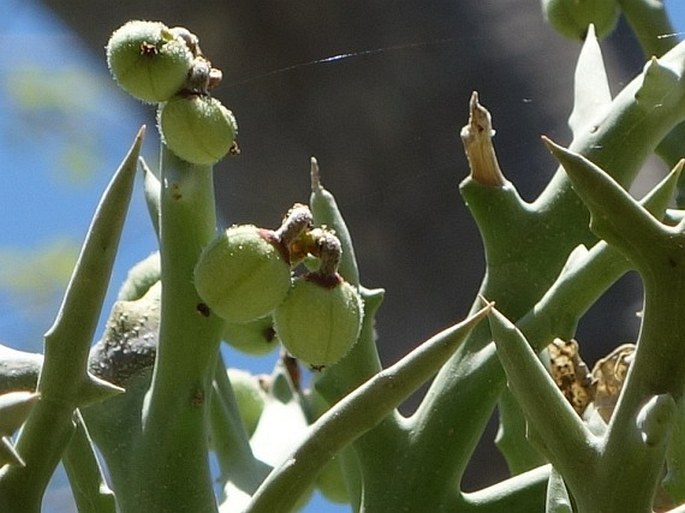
147, 403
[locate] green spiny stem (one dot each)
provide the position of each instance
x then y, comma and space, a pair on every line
591, 85
674, 482
354, 415
519, 494
91, 493
649, 21
229, 439
583, 280
336, 383
501, 216
567, 442
656, 369
114, 426
153, 192
511, 439
626, 124
362, 361
557, 500
64, 383
171, 467
15, 408
626, 224
658, 252
125, 356
585, 277
630, 468
326, 212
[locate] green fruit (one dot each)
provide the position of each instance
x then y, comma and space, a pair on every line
242, 275
140, 278
331, 482
572, 17
250, 397
319, 321
255, 337
148, 61
197, 128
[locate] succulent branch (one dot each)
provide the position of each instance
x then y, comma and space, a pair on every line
64, 382
135, 417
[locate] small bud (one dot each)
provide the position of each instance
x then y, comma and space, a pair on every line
295, 227
243, 274
572, 18
255, 337
197, 128
148, 61
319, 321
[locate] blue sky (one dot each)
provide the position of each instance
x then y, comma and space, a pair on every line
59, 148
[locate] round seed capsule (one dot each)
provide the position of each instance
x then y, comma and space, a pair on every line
255, 337
571, 18
197, 128
319, 321
148, 61
250, 397
242, 275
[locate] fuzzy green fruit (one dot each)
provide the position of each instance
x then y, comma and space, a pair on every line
249, 396
140, 278
255, 337
148, 61
319, 321
242, 275
197, 128
572, 17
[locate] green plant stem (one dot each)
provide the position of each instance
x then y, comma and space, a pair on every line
650, 23
511, 436
635, 444
64, 383
519, 494
583, 280
654, 31
229, 439
171, 467
91, 493
567, 442
561, 226
354, 415
656, 369
153, 191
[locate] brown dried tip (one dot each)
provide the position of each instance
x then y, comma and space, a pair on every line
477, 138
314, 174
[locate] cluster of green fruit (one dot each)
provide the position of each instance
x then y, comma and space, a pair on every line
162, 65
245, 275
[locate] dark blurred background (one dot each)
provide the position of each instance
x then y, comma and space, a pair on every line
383, 120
